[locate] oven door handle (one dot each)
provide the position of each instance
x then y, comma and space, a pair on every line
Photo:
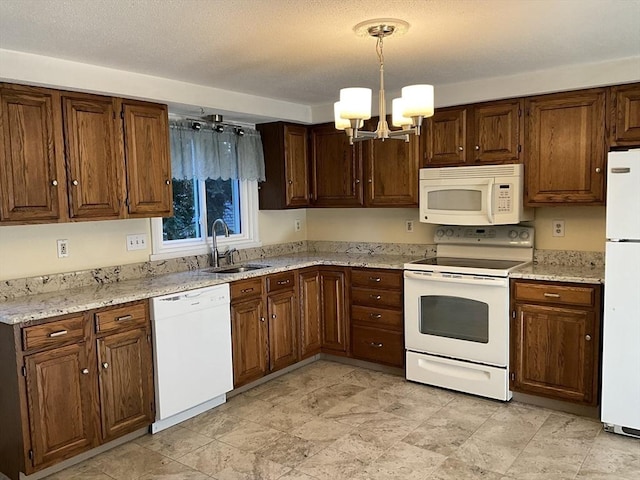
466, 279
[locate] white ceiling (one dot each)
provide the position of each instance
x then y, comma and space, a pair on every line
304, 51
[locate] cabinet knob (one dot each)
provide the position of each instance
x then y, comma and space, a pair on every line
54, 183
262, 319
460, 148
75, 182
587, 338
357, 180
273, 315
168, 182
105, 365
290, 182
477, 147
598, 170
85, 371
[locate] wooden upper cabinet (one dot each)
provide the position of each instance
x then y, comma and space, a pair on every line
392, 172
565, 148
148, 162
625, 115
445, 137
286, 158
60, 391
94, 160
497, 131
32, 175
336, 168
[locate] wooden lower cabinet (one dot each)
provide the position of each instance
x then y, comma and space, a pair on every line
263, 326
60, 387
555, 340
310, 339
71, 387
334, 314
377, 332
126, 382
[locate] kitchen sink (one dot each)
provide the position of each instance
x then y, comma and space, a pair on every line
235, 268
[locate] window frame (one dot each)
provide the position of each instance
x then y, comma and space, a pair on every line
248, 193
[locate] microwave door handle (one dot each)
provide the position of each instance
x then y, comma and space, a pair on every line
490, 202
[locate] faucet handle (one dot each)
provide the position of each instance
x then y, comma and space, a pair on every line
228, 255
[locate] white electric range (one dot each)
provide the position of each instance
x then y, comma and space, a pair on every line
457, 308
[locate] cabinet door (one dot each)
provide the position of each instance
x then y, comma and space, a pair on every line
552, 353
310, 315
296, 166
125, 378
334, 310
31, 157
93, 157
565, 148
392, 172
60, 391
336, 168
282, 313
625, 115
446, 137
497, 130
146, 147
249, 341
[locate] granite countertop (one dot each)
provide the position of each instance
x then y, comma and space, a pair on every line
36, 307
560, 273
30, 308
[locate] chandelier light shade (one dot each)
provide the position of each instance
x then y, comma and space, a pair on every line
408, 111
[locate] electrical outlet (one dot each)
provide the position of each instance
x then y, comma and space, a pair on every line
137, 241
63, 248
296, 225
409, 226
558, 228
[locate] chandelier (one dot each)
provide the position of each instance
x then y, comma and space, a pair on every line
408, 111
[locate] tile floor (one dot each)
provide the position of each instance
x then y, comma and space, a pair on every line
329, 421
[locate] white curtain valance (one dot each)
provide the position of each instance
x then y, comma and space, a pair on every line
205, 153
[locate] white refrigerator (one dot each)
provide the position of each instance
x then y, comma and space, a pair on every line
621, 329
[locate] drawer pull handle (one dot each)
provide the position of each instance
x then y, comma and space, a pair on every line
375, 315
552, 295
105, 365
85, 371
284, 282
57, 334
124, 318
375, 297
376, 345
375, 279
246, 290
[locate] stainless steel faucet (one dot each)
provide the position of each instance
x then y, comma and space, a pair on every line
215, 256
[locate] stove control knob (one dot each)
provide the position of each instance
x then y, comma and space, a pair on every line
449, 232
524, 235
439, 233
513, 234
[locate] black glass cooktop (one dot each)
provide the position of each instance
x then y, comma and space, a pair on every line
469, 263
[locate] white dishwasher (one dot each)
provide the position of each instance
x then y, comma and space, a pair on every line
192, 353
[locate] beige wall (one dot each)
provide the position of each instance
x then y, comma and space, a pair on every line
30, 250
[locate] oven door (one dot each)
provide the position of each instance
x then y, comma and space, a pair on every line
458, 316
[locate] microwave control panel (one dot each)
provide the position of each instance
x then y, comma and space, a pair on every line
504, 193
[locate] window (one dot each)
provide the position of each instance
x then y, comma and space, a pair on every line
196, 204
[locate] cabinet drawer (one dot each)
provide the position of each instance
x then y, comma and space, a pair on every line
547, 293
376, 317
122, 318
246, 289
376, 298
377, 345
53, 334
376, 278
281, 281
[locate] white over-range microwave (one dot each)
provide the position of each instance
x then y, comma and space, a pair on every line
477, 195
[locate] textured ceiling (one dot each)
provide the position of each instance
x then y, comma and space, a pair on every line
304, 51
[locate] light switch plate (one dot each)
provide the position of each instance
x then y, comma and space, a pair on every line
137, 241
409, 226
63, 248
